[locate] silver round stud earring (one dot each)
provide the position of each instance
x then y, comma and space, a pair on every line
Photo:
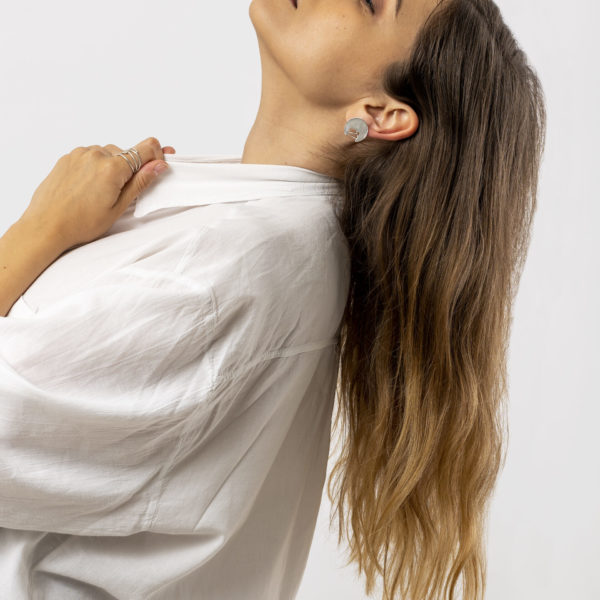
357, 128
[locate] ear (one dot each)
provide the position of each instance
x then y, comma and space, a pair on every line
388, 120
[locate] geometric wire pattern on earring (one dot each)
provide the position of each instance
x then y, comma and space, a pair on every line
357, 128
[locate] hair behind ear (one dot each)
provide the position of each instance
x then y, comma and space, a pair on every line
438, 229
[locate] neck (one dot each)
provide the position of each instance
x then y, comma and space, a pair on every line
288, 130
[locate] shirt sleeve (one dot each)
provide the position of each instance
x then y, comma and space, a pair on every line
96, 389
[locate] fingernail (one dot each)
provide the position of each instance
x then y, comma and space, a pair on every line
160, 167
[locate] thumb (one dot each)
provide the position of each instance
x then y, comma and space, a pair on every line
142, 180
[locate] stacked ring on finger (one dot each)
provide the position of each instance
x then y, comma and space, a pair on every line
135, 157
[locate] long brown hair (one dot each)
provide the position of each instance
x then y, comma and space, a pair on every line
438, 227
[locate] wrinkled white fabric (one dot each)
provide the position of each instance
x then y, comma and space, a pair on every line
166, 393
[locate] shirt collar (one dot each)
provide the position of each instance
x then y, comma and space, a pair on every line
196, 180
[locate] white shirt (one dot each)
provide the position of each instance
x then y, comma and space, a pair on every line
166, 393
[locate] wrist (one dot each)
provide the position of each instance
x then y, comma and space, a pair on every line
45, 236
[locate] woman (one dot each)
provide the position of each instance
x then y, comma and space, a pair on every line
438, 189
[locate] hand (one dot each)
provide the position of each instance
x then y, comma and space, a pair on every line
89, 189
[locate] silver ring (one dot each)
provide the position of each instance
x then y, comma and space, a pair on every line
135, 157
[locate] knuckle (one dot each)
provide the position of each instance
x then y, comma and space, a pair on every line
154, 143
110, 165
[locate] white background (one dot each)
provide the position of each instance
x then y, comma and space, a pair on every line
78, 73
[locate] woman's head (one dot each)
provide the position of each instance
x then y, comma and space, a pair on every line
438, 225
323, 63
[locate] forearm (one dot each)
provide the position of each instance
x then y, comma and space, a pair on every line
26, 250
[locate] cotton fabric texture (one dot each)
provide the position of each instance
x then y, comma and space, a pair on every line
166, 393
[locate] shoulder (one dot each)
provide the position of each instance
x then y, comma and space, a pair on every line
281, 266
297, 266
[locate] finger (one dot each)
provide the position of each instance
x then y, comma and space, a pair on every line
148, 149
117, 150
143, 179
